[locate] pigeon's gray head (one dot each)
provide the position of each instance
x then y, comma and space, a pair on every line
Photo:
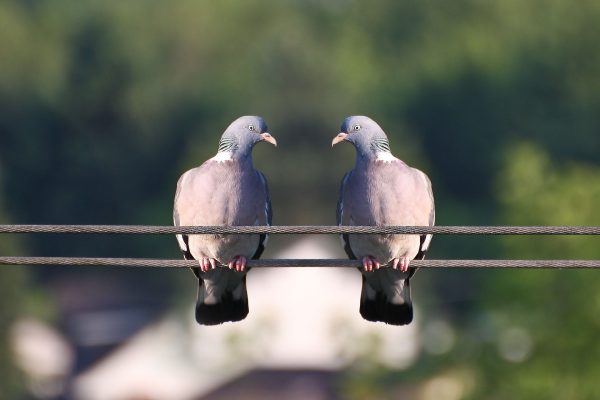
242, 134
365, 134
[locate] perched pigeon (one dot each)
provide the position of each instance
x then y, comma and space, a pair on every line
225, 190
382, 190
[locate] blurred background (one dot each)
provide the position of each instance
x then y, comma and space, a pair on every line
104, 104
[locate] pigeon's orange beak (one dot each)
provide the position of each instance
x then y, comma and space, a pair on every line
268, 138
339, 138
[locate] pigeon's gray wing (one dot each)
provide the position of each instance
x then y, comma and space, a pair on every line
205, 197
182, 240
425, 240
221, 194
397, 195
391, 194
268, 218
340, 216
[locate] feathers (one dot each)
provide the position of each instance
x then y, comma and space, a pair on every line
375, 305
225, 194
382, 190
227, 144
380, 144
218, 302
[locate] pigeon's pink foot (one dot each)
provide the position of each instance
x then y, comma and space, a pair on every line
370, 263
207, 263
238, 263
400, 263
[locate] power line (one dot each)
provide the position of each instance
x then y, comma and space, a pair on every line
214, 230
291, 263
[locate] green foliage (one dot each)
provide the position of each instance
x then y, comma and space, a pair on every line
535, 190
556, 311
14, 285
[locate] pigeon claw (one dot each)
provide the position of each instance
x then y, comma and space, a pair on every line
207, 263
401, 263
370, 263
238, 263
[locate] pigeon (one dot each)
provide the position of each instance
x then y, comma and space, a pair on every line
225, 190
382, 190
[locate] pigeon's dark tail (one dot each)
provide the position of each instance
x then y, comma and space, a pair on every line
375, 306
230, 308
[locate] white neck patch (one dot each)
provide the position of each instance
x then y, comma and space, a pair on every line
223, 156
385, 157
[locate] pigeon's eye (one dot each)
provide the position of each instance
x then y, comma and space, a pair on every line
251, 127
356, 127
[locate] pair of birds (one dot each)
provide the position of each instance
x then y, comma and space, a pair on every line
226, 190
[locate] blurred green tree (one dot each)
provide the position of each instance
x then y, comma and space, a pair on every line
14, 289
546, 321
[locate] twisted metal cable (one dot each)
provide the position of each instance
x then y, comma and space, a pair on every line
212, 230
215, 230
290, 263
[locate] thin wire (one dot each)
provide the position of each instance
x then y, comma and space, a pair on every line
291, 263
217, 230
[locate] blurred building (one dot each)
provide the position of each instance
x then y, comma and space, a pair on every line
302, 330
